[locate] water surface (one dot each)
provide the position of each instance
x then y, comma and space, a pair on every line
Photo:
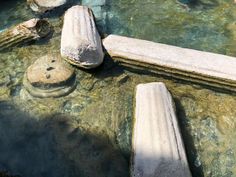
88, 132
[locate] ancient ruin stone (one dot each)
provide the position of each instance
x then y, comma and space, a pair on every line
80, 41
25, 32
158, 148
214, 70
41, 6
49, 76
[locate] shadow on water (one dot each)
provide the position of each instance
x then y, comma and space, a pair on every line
191, 151
58, 145
55, 146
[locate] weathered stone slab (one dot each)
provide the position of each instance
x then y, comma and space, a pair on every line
41, 6
49, 76
158, 149
186, 64
25, 32
80, 41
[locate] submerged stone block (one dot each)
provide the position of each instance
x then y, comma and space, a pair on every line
80, 41
25, 32
158, 149
49, 76
180, 63
41, 6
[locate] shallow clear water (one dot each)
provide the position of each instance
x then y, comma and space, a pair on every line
88, 132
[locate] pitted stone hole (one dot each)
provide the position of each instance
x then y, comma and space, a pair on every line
50, 68
53, 61
48, 76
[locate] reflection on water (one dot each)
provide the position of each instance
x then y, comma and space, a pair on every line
88, 132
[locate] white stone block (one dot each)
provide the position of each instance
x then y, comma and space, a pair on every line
80, 41
158, 149
181, 63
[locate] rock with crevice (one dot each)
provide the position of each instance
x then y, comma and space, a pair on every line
23, 33
42, 6
80, 40
49, 76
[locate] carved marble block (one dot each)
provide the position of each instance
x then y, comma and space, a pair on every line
180, 63
158, 149
25, 32
80, 41
41, 6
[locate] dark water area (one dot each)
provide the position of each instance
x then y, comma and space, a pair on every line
55, 146
88, 133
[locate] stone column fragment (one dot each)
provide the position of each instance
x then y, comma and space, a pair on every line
80, 41
42, 6
180, 63
49, 76
25, 32
158, 149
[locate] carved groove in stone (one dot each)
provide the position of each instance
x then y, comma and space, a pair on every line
191, 65
157, 145
80, 41
23, 33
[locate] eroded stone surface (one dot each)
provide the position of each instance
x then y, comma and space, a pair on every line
25, 32
158, 149
80, 41
180, 63
49, 76
44, 5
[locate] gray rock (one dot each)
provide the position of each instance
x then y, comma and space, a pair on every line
191, 65
80, 41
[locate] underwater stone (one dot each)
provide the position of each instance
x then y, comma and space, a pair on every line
180, 63
158, 149
80, 41
49, 76
25, 32
45, 5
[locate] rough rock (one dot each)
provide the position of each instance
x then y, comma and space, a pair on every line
41, 6
49, 76
25, 32
186, 64
158, 149
80, 41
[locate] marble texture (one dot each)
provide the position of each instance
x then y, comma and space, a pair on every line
191, 65
28, 31
80, 41
158, 149
49, 76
